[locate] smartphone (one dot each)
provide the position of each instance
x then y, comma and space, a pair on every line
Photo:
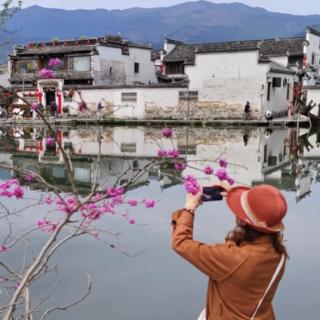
212, 194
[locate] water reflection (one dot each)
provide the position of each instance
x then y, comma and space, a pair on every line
288, 159
157, 284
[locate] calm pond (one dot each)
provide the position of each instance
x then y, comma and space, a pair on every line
154, 283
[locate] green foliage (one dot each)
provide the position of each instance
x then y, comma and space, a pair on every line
8, 8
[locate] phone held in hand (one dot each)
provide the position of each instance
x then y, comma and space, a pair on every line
212, 194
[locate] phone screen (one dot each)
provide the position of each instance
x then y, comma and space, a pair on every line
212, 194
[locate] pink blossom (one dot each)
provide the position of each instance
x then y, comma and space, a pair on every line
6, 193
180, 166
95, 234
5, 185
174, 153
221, 174
46, 226
41, 222
114, 192
223, 163
132, 221
54, 62
4, 249
149, 203
50, 141
48, 200
107, 208
208, 170
162, 153
46, 73
116, 200
133, 203
94, 215
18, 193
28, 178
34, 106
167, 132
191, 185
230, 180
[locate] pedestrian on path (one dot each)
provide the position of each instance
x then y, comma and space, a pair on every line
244, 272
247, 111
99, 110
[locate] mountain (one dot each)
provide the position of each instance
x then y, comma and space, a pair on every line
199, 21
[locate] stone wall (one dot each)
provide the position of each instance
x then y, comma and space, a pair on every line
199, 110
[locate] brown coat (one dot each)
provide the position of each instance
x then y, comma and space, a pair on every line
238, 275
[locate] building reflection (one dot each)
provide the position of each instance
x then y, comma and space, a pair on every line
287, 158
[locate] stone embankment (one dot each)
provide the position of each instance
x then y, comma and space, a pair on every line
281, 122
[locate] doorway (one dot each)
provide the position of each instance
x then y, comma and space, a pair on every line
50, 97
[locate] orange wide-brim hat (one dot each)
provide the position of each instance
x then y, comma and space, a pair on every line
262, 207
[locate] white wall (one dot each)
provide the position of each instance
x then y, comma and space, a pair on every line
278, 95
160, 97
313, 47
232, 77
147, 70
115, 68
168, 47
4, 75
283, 60
110, 66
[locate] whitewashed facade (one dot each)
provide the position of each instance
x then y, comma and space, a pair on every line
263, 72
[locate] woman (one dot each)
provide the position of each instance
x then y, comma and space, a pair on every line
244, 272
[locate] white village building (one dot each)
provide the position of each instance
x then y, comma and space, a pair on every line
227, 74
196, 81
107, 61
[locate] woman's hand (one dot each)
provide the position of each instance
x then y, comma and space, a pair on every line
224, 185
193, 201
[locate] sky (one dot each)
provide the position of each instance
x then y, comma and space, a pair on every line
286, 6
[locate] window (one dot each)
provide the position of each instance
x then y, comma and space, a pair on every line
82, 175
81, 64
193, 96
27, 66
276, 82
128, 97
175, 68
313, 58
136, 67
272, 161
188, 149
265, 156
128, 147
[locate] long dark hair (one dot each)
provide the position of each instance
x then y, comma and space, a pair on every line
245, 233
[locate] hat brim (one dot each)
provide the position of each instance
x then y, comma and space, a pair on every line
234, 203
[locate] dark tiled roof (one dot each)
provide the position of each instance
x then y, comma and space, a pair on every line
313, 30
185, 52
78, 45
277, 47
267, 48
54, 50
